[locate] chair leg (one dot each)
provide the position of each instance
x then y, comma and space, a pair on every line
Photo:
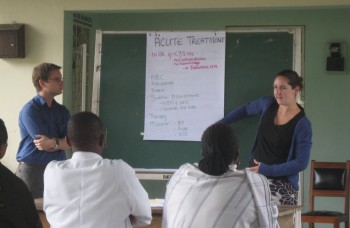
336, 225
346, 224
311, 225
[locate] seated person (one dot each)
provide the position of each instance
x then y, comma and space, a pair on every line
17, 208
213, 193
89, 191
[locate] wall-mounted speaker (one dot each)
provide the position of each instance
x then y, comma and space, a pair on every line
12, 42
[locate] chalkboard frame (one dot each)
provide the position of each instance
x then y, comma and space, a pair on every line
297, 32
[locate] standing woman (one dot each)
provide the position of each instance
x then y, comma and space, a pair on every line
284, 137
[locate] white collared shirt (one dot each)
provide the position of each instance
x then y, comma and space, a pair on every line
88, 191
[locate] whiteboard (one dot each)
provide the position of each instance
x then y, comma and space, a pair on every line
185, 79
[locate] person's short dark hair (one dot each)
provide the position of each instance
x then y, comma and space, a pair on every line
84, 130
219, 149
293, 78
3, 133
42, 72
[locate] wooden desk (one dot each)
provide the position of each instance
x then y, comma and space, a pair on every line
285, 216
156, 213
42, 216
156, 218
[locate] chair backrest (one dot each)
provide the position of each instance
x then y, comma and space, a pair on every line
329, 179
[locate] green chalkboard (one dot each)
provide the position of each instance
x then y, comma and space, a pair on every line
252, 60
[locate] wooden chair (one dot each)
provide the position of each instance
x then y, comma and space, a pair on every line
328, 179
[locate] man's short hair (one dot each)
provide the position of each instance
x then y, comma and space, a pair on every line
84, 130
42, 72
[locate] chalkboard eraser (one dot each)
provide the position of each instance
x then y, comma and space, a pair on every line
141, 133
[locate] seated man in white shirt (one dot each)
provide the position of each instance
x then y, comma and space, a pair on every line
89, 191
214, 194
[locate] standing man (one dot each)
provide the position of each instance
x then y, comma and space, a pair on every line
89, 191
43, 127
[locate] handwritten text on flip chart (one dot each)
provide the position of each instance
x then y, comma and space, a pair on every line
184, 84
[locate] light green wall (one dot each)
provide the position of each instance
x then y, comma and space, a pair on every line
44, 43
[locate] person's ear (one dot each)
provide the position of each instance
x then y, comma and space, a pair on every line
3, 148
68, 142
101, 140
297, 89
41, 83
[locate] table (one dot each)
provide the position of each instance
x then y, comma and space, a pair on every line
285, 215
156, 217
42, 216
156, 213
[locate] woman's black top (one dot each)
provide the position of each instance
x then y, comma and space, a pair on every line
274, 141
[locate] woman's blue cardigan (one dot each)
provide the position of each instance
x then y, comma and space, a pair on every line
299, 153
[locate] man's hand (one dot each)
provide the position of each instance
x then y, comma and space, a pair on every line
44, 143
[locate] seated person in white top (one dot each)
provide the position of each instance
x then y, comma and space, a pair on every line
89, 191
213, 193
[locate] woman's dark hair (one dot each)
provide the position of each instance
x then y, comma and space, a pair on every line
3, 133
293, 78
219, 149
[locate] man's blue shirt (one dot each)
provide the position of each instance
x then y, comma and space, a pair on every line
37, 118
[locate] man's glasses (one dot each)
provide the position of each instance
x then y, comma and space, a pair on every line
60, 79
